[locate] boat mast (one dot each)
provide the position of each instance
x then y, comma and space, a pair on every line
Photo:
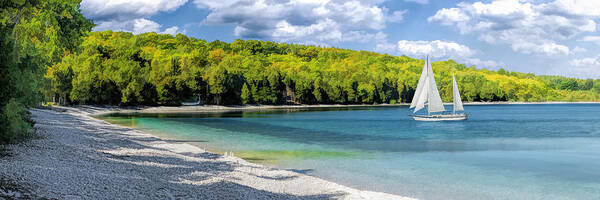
434, 101
428, 96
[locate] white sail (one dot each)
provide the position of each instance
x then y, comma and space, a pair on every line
434, 101
422, 98
458, 105
420, 87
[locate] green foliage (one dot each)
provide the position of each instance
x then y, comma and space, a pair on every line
569, 84
150, 68
596, 87
245, 94
14, 122
34, 35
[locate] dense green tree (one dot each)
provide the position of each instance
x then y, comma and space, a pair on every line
569, 84
34, 34
596, 86
155, 68
587, 84
245, 94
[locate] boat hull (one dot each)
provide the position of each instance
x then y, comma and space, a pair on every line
432, 118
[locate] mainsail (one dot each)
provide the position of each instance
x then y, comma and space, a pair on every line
419, 94
427, 92
458, 105
434, 102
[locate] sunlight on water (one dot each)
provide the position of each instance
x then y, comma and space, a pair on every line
501, 152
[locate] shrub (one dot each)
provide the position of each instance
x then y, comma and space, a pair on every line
15, 122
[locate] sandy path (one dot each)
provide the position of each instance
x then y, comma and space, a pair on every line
80, 157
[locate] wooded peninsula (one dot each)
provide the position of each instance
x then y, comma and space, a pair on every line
159, 69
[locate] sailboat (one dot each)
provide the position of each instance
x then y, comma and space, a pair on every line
427, 95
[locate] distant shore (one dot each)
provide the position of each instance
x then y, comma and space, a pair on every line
80, 157
222, 108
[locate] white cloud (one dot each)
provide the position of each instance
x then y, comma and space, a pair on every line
144, 25
128, 15
578, 49
489, 64
174, 30
387, 47
588, 67
126, 9
304, 21
397, 16
549, 48
436, 49
594, 39
135, 26
586, 62
440, 50
526, 27
588, 8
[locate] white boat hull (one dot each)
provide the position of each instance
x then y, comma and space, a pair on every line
190, 104
432, 118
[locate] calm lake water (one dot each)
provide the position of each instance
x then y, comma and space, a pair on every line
501, 152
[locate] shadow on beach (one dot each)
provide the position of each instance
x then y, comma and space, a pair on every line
87, 158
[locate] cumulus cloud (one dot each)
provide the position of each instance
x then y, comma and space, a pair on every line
436, 48
489, 64
586, 62
135, 26
397, 16
594, 39
441, 50
527, 27
548, 48
130, 15
579, 49
587, 8
174, 30
586, 66
304, 21
126, 10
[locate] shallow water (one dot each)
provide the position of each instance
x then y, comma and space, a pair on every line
501, 152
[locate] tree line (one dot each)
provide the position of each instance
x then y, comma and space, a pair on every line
158, 69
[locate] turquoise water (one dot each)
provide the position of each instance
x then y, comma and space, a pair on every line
501, 152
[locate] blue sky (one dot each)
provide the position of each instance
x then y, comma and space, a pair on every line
554, 37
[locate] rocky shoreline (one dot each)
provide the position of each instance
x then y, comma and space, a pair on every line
80, 157
220, 108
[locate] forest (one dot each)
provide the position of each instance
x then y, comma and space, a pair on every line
49, 54
120, 68
34, 35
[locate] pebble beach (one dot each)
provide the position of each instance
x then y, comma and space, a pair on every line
77, 156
